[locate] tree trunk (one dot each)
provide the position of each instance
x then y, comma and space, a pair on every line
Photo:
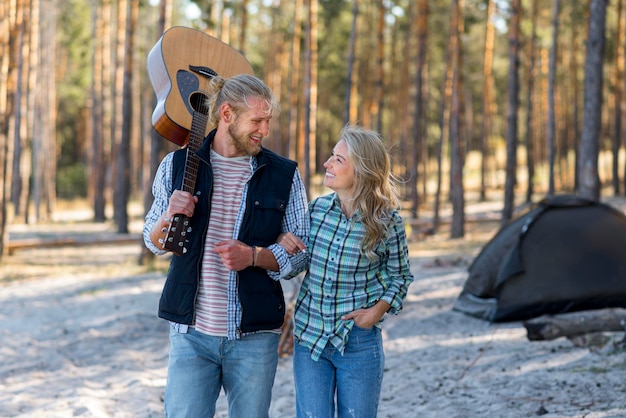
379, 87
618, 76
7, 26
550, 327
574, 115
457, 229
419, 116
295, 151
488, 103
122, 180
592, 110
444, 111
97, 161
512, 110
530, 141
310, 93
19, 167
551, 86
350, 67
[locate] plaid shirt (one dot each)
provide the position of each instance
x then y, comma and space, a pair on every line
295, 220
342, 279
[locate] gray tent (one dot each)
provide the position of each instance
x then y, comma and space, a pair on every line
567, 254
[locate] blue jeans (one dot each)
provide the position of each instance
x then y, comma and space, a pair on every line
200, 365
355, 377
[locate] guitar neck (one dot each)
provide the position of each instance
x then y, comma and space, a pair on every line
195, 142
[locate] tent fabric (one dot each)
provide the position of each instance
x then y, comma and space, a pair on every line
567, 254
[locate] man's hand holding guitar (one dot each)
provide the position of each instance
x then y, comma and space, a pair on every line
181, 203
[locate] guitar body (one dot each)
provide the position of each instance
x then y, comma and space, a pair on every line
177, 86
181, 65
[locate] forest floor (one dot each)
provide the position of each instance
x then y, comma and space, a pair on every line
79, 336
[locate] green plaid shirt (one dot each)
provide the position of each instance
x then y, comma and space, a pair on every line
342, 279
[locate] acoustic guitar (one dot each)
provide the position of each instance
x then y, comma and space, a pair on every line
181, 65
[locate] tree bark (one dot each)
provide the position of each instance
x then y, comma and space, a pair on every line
512, 112
530, 97
419, 116
457, 229
551, 87
592, 111
444, 112
488, 103
122, 181
618, 76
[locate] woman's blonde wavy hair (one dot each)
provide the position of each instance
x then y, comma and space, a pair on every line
376, 193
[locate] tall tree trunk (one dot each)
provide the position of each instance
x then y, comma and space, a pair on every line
97, 160
530, 108
19, 185
551, 86
243, 28
350, 73
512, 110
377, 103
444, 112
33, 143
406, 45
7, 78
618, 77
592, 111
457, 229
43, 102
295, 152
573, 70
310, 92
273, 70
488, 100
418, 118
122, 180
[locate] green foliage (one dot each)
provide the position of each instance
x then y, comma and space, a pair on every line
72, 181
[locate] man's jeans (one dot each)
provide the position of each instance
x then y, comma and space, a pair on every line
200, 365
354, 377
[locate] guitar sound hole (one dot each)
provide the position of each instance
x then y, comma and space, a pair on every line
199, 103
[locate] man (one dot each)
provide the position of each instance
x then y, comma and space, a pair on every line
222, 295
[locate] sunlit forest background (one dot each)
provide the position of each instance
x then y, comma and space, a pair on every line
477, 99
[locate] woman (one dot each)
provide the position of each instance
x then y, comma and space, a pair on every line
359, 270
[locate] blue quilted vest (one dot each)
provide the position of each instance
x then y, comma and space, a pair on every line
261, 298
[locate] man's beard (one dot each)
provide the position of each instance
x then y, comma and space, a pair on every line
241, 142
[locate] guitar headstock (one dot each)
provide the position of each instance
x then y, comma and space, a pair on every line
176, 237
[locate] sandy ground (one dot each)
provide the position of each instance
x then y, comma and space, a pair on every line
79, 336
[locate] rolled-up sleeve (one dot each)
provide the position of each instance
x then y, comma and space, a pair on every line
297, 222
161, 190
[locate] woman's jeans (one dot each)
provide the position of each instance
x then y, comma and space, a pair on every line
200, 365
355, 377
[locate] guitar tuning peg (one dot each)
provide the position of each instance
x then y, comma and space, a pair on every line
184, 250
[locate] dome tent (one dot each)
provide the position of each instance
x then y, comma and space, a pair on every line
567, 254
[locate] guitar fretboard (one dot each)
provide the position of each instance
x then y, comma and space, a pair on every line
198, 126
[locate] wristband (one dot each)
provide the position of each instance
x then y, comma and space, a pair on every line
256, 255
253, 256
